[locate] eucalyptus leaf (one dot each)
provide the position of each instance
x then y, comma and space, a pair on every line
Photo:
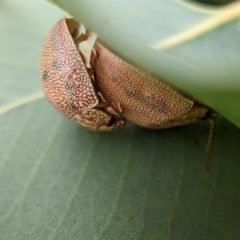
194, 47
60, 181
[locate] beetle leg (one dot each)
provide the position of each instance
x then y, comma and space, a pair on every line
113, 107
209, 141
81, 38
102, 105
117, 106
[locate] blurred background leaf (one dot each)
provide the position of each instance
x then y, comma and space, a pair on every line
59, 181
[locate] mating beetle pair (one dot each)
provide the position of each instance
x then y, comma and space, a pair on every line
102, 94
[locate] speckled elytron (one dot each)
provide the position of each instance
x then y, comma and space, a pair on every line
144, 100
69, 85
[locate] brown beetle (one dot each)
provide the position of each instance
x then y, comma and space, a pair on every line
69, 85
144, 100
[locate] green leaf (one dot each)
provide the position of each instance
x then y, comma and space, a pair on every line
194, 47
60, 181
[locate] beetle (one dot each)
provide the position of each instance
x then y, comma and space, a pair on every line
69, 85
111, 91
144, 100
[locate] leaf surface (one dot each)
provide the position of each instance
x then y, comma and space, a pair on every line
59, 181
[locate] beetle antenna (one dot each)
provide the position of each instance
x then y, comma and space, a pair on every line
209, 141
